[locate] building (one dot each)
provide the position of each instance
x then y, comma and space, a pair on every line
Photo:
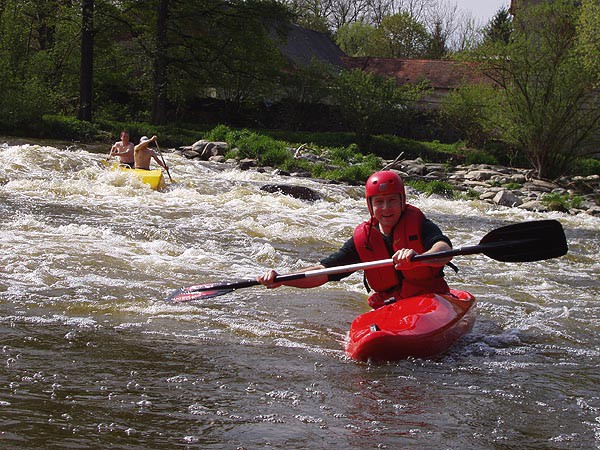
444, 76
303, 46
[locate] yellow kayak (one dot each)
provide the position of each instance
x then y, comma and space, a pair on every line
154, 178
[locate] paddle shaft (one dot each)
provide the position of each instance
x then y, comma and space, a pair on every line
163, 161
468, 250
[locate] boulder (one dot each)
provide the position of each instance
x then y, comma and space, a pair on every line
213, 149
540, 185
299, 192
518, 178
190, 154
507, 198
534, 205
488, 195
301, 174
414, 167
217, 159
593, 210
480, 175
246, 164
198, 146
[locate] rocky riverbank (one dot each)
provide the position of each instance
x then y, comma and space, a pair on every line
512, 187
499, 185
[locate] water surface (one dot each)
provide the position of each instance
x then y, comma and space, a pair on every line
92, 355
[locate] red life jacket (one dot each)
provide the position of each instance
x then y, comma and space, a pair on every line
407, 234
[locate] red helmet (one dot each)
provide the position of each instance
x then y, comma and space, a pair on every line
384, 182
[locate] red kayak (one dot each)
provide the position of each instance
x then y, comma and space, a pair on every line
421, 327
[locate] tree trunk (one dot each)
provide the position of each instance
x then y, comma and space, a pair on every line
159, 97
87, 61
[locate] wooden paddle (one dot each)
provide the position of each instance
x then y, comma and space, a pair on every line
163, 160
110, 155
521, 242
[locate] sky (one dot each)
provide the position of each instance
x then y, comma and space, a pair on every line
482, 10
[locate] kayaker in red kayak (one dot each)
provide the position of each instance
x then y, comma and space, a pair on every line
395, 229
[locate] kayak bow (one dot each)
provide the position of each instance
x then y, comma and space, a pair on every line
422, 326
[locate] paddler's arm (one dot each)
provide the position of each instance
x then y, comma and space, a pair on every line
346, 255
114, 151
267, 278
143, 145
158, 161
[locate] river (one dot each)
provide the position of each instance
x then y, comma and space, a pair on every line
93, 357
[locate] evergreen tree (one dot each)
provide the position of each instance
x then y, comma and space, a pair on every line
500, 27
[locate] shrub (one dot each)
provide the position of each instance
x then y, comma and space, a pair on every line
234, 137
218, 133
275, 155
354, 173
466, 109
479, 157
587, 166
292, 165
371, 104
266, 150
65, 127
351, 174
513, 185
433, 187
345, 155
561, 202
326, 139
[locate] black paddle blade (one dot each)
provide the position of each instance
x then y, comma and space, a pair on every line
525, 242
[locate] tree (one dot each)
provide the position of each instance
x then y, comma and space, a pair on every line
160, 65
401, 36
470, 111
356, 39
589, 34
443, 22
499, 28
39, 61
311, 14
437, 48
246, 63
87, 60
548, 106
182, 51
467, 36
371, 104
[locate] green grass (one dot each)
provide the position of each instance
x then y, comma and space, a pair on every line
513, 186
433, 187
